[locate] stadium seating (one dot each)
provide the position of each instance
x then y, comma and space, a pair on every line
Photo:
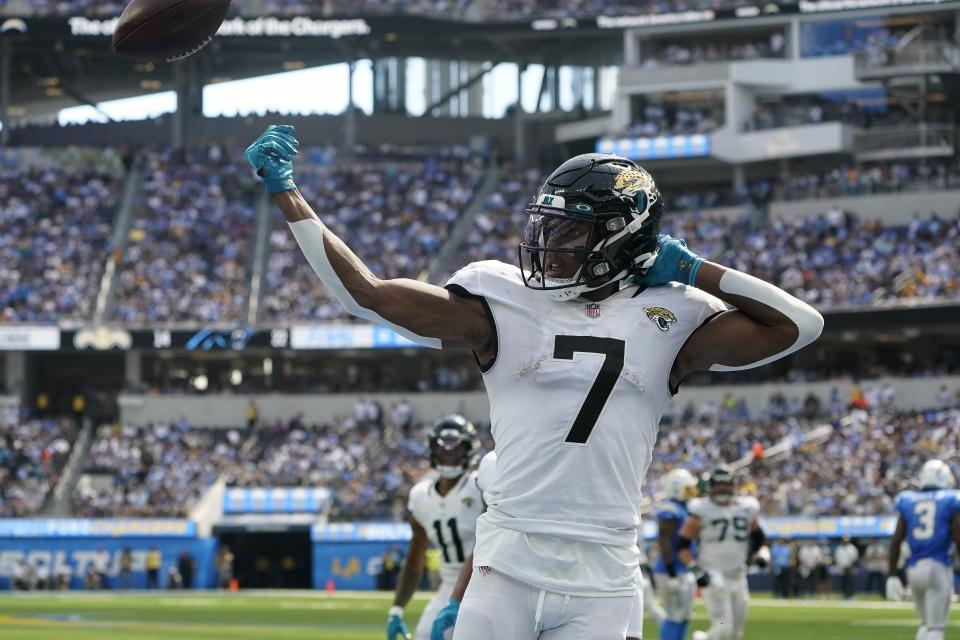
190, 248
55, 224
32, 456
395, 217
868, 457
152, 470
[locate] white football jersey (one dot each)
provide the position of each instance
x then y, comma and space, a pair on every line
486, 474
725, 532
450, 520
576, 394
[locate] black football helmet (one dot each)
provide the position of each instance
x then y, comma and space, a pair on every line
721, 485
453, 445
594, 221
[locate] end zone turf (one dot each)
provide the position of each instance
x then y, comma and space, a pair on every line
303, 615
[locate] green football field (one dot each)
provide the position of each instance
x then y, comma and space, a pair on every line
303, 615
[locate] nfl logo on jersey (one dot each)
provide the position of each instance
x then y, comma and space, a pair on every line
593, 310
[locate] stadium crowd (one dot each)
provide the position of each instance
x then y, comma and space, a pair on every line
190, 247
851, 180
158, 469
674, 54
838, 260
32, 455
369, 460
869, 454
55, 225
394, 216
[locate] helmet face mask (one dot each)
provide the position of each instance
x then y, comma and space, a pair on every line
453, 445
722, 486
721, 492
594, 222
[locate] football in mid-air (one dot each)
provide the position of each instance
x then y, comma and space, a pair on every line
167, 30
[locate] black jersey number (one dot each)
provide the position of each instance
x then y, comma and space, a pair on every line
740, 526
563, 349
454, 534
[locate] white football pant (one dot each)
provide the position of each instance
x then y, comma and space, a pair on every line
932, 585
726, 599
677, 596
644, 603
439, 599
496, 607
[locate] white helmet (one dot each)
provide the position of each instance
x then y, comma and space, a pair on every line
679, 484
935, 474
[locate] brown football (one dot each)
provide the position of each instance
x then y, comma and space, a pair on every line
167, 30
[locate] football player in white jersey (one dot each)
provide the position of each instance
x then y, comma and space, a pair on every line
443, 510
447, 617
581, 347
729, 535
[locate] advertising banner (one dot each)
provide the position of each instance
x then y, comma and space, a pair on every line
74, 558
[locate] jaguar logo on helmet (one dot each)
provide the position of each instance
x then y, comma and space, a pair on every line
631, 181
661, 317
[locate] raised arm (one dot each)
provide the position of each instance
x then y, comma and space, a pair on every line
423, 313
765, 325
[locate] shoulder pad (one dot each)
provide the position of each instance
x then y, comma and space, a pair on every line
668, 511
477, 277
750, 503
418, 493
697, 506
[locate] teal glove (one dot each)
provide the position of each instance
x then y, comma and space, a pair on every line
674, 263
446, 619
396, 626
271, 155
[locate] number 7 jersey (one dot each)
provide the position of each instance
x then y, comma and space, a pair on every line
928, 515
576, 393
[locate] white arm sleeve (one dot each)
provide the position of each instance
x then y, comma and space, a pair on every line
809, 322
309, 235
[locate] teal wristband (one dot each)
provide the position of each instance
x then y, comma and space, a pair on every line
692, 279
276, 185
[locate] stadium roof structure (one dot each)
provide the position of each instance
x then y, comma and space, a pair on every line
59, 63
47, 64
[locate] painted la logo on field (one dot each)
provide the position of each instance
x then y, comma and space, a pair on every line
661, 317
592, 310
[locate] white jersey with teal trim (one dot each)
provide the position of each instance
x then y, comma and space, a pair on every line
576, 394
450, 520
724, 532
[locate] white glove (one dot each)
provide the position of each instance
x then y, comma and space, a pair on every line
895, 589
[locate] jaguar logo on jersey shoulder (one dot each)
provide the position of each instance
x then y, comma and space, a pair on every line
661, 317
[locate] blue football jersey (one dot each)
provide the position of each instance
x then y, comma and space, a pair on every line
928, 515
672, 510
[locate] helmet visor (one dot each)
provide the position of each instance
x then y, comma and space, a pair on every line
555, 247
